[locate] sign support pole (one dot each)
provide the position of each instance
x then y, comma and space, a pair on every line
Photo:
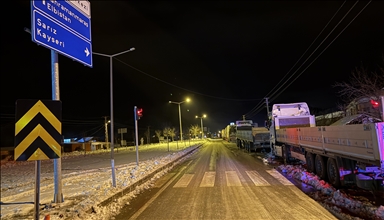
121, 141
37, 188
58, 196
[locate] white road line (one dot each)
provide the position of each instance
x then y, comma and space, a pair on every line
257, 179
232, 178
184, 181
145, 206
279, 177
208, 179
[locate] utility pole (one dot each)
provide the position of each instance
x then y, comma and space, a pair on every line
243, 117
148, 136
84, 143
266, 102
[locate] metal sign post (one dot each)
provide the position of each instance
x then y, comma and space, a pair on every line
121, 131
64, 27
37, 189
58, 196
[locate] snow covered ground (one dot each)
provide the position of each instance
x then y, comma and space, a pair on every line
86, 189
82, 190
334, 200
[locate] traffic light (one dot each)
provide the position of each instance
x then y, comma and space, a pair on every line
139, 113
375, 104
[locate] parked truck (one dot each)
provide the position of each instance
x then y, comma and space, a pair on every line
342, 154
250, 137
229, 133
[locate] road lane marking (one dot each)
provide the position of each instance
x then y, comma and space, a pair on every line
232, 178
151, 200
279, 177
208, 179
257, 179
184, 181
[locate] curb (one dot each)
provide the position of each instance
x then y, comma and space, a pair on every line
145, 179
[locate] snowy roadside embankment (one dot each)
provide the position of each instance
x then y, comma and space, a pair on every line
331, 197
85, 191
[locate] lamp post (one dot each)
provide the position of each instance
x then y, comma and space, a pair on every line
202, 128
181, 128
111, 97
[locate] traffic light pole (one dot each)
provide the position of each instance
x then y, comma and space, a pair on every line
136, 135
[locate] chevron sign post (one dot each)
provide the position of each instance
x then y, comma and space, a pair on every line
37, 130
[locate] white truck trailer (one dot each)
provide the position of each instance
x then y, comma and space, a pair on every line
342, 155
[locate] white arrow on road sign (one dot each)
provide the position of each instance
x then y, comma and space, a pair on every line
86, 51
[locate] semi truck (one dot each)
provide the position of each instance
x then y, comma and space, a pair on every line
229, 133
342, 154
250, 137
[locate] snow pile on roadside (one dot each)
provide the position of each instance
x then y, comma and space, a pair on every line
331, 196
86, 190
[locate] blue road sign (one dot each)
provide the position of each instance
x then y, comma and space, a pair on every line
56, 37
64, 27
66, 14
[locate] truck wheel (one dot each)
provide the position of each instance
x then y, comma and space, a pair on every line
310, 162
333, 172
320, 165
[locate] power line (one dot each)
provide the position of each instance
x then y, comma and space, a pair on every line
316, 49
260, 105
191, 91
323, 50
259, 109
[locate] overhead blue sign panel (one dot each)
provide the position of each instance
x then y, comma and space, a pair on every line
63, 26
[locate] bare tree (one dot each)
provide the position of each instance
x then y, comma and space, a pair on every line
146, 135
166, 132
362, 84
172, 133
194, 130
158, 134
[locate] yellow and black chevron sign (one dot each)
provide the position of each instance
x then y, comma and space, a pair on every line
37, 130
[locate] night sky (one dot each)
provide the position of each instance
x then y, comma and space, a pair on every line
226, 56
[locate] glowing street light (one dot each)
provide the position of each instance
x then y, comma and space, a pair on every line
181, 128
202, 128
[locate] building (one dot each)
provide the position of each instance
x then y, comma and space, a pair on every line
83, 144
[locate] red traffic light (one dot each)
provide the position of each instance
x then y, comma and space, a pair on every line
140, 112
375, 104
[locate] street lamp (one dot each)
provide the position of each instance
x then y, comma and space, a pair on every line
202, 128
181, 128
111, 97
